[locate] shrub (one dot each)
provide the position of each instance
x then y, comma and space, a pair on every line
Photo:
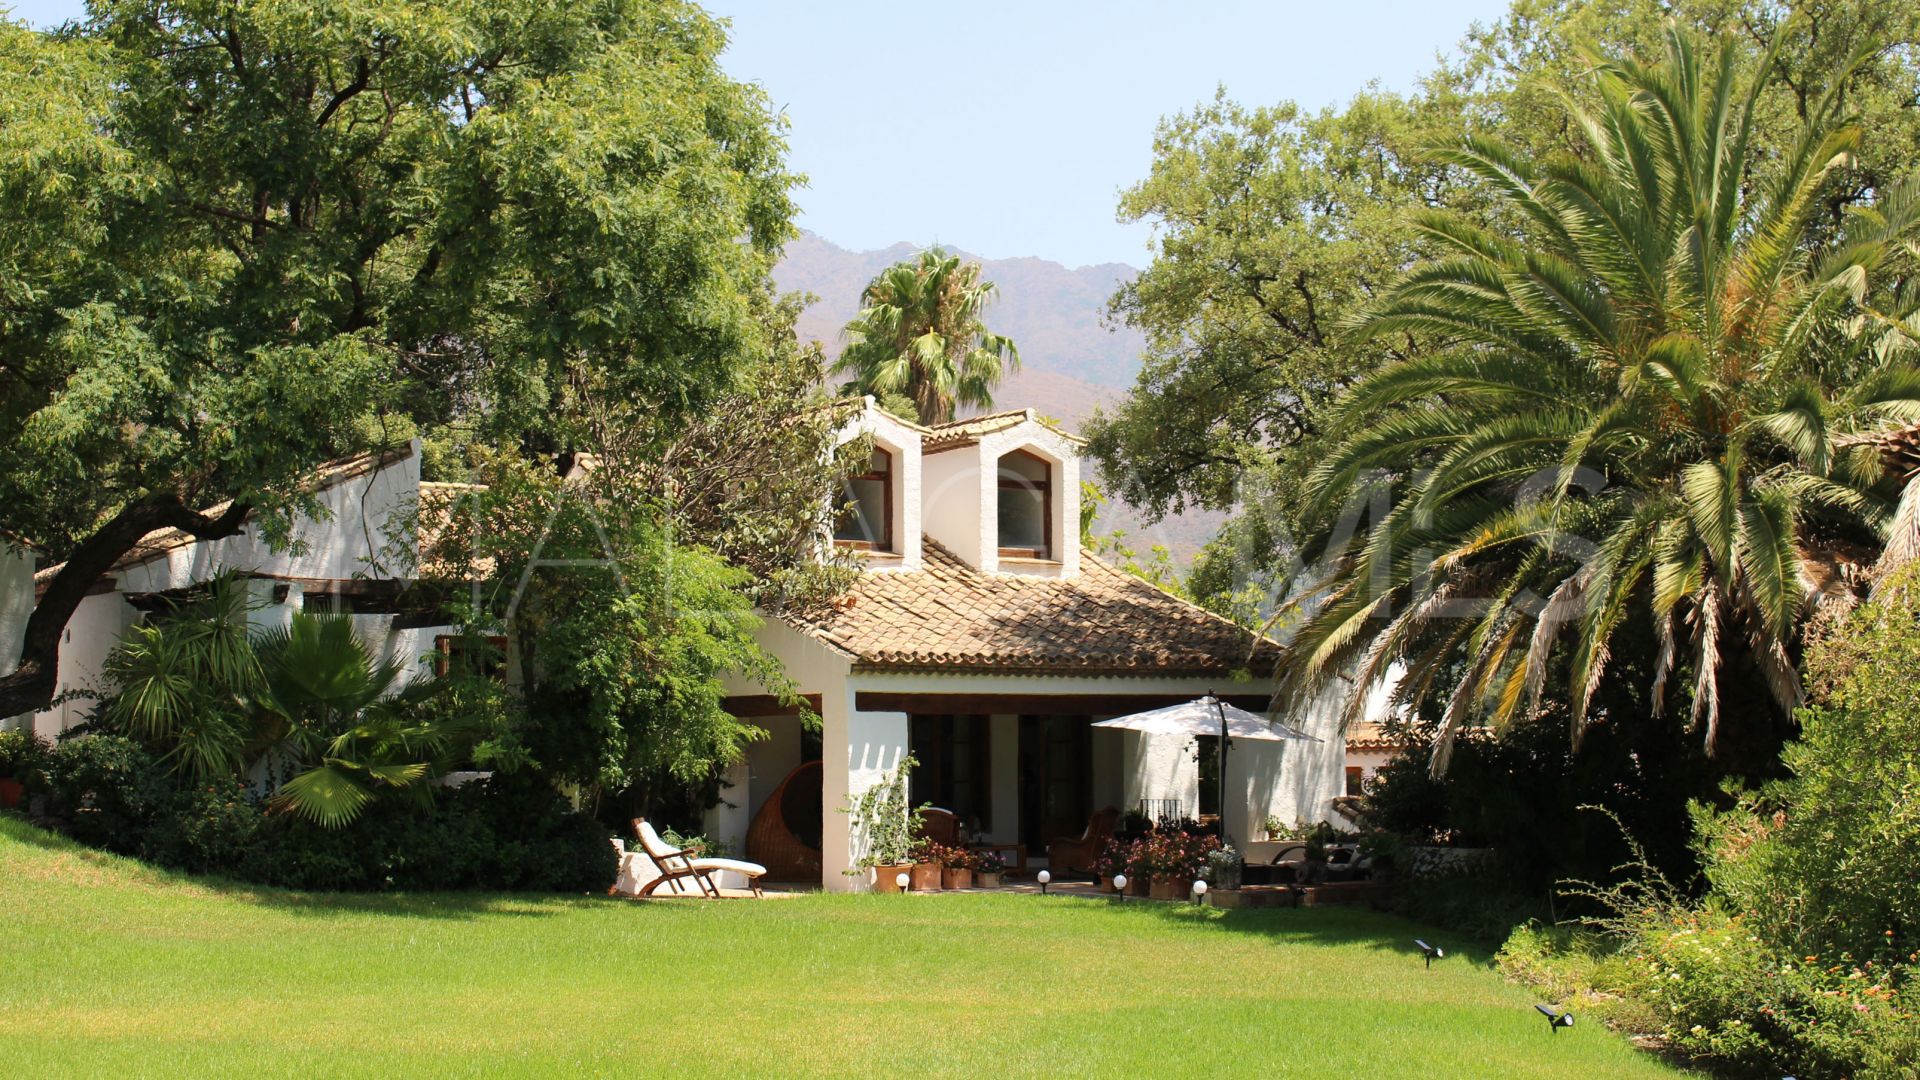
1825, 861
505, 833
1712, 989
702, 846
22, 754
209, 827
509, 833
1132, 825
1520, 793
1732, 1001
556, 849
104, 790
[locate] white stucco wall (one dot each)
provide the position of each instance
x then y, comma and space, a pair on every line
1156, 767
92, 632
950, 502
349, 541
352, 540
16, 604
817, 669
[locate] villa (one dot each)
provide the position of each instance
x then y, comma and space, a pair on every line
979, 637
984, 641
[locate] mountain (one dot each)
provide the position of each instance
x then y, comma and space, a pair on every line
1071, 360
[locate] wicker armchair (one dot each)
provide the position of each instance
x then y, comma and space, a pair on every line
772, 838
1079, 853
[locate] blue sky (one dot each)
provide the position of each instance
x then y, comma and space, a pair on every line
1009, 128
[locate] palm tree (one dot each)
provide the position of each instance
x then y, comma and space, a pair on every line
187, 681
920, 336
1643, 405
336, 711
217, 696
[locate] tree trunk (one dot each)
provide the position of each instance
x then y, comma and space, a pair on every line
32, 684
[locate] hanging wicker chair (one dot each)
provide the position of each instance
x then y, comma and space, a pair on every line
785, 834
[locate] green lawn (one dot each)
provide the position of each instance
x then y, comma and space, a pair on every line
107, 967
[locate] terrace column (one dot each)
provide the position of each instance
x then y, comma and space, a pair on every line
875, 743
1003, 778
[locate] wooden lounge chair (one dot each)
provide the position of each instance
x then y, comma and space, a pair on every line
676, 865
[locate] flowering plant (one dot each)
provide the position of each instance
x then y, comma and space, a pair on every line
989, 862
951, 856
1177, 854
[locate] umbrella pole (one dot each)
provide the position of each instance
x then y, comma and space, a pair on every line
1225, 840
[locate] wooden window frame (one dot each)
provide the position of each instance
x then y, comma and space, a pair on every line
1045, 488
1356, 780
443, 646
885, 477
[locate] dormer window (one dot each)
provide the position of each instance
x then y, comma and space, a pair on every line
865, 520
1026, 506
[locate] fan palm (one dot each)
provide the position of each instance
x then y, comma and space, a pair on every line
336, 710
219, 696
920, 335
188, 681
1638, 409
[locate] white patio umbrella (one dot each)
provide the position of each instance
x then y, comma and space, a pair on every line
1209, 716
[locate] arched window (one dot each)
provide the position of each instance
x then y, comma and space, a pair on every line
865, 516
1026, 506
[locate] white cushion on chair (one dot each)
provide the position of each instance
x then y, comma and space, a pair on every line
738, 866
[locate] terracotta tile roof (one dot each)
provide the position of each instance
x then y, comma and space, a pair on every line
951, 616
160, 541
956, 433
1369, 736
846, 408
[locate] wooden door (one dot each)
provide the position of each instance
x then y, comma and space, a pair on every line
1056, 765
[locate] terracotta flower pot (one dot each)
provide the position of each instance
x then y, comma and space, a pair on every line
1106, 884
986, 880
1138, 886
886, 878
10, 793
1162, 888
956, 877
926, 877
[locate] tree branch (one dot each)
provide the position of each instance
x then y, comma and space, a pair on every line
32, 684
362, 74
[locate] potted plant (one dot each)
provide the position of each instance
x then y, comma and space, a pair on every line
988, 868
885, 825
1195, 852
1223, 868
1275, 828
956, 867
1112, 861
926, 866
1130, 860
